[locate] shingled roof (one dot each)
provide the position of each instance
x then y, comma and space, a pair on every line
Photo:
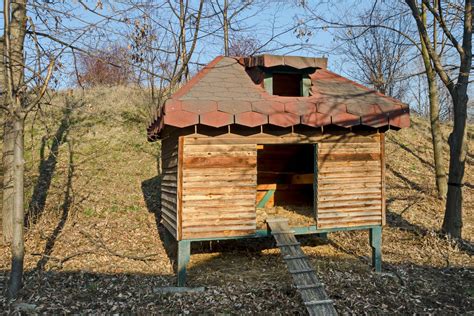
229, 90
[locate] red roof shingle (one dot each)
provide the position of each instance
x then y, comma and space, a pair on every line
224, 93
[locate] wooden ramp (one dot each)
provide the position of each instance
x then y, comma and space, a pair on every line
310, 288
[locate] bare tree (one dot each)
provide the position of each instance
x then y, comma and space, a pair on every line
17, 105
163, 52
107, 66
458, 89
243, 46
228, 13
27, 68
380, 57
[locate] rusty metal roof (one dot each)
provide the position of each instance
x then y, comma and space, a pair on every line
228, 91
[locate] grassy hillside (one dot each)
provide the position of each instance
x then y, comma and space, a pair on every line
96, 247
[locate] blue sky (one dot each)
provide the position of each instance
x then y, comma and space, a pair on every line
259, 22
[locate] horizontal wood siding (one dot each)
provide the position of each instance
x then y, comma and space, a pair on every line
169, 183
218, 190
350, 183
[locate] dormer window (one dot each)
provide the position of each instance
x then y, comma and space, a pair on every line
287, 85
288, 82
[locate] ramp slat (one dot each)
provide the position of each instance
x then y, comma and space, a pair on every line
304, 277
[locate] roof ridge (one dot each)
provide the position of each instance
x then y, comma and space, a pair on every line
195, 79
158, 120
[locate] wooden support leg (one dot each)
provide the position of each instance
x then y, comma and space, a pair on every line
184, 253
375, 237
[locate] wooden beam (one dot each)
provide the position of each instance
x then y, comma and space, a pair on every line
273, 186
180, 188
266, 139
307, 178
382, 163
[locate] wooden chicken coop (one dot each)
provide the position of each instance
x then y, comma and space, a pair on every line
250, 136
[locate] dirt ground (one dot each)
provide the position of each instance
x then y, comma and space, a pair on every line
96, 247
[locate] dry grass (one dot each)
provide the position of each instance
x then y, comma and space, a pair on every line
296, 215
105, 253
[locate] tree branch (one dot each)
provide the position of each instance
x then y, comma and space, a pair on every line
439, 17
426, 40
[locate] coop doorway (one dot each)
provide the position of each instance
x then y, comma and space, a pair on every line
286, 183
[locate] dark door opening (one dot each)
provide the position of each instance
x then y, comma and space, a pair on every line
285, 182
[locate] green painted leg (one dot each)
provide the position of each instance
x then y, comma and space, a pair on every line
375, 236
184, 253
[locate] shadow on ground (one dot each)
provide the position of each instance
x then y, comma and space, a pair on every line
248, 282
47, 170
397, 221
47, 165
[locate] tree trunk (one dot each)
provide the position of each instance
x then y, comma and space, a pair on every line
17, 247
433, 95
437, 138
184, 53
7, 160
452, 224
15, 23
8, 190
226, 28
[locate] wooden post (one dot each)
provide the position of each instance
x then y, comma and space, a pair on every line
382, 181
375, 236
179, 202
184, 253
315, 182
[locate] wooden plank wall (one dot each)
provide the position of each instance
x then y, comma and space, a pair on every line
218, 190
169, 183
350, 183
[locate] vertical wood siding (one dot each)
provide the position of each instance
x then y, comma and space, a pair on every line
218, 190
350, 183
169, 183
